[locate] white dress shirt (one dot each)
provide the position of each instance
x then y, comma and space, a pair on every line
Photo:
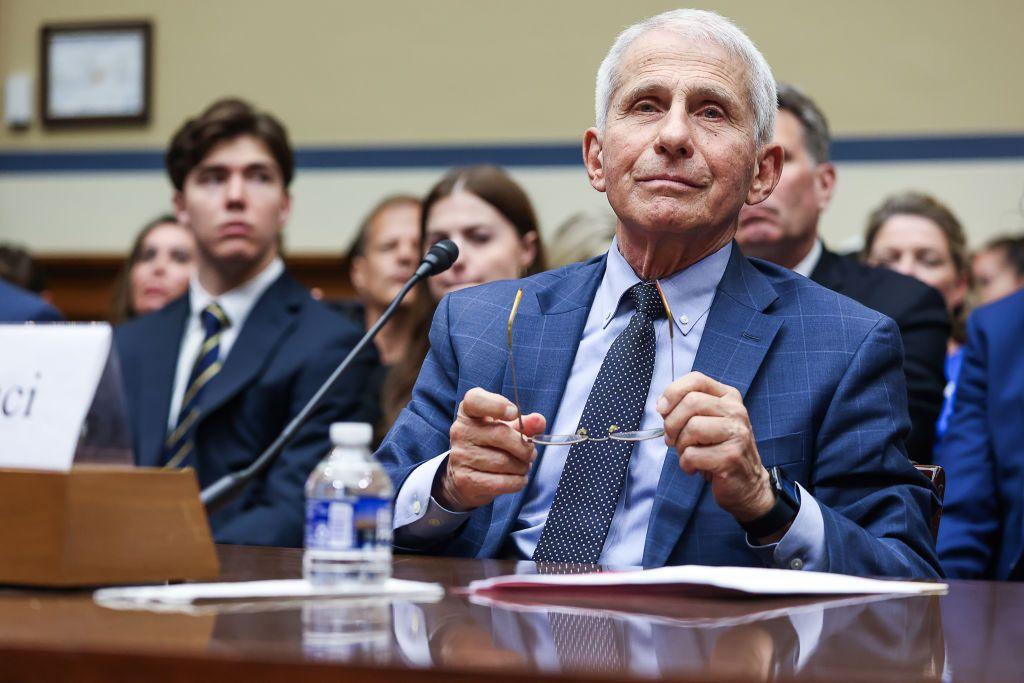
236, 304
808, 263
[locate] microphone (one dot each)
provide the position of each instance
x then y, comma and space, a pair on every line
438, 259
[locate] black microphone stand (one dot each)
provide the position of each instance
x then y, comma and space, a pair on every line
224, 489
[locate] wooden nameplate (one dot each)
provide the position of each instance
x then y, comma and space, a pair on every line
103, 525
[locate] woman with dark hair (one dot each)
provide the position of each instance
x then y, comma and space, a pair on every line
157, 270
917, 235
490, 218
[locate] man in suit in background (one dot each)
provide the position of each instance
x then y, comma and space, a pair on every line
982, 532
784, 230
782, 447
20, 306
213, 378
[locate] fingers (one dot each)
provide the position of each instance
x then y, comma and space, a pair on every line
692, 404
702, 430
479, 487
474, 433
694, 381
533, 424
489, 454
479, 403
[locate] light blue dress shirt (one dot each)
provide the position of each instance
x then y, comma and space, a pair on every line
420, 520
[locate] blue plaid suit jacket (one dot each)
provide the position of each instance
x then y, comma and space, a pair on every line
821, 378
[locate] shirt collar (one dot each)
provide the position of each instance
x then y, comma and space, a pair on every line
238, 302
689, 292
808, 263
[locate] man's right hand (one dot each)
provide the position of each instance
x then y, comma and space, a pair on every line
489, 456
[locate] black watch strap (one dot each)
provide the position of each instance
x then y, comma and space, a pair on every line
787, 505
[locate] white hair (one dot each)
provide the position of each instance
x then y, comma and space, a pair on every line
695, 24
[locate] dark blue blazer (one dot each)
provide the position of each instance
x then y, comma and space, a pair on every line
982, 530
287, 348
19, 306
821, 378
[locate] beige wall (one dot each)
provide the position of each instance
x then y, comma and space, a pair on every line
414, 71
418, 72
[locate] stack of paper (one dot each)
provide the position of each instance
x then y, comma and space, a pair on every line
694, 580
179, 597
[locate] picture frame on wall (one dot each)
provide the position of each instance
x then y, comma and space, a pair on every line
97, 73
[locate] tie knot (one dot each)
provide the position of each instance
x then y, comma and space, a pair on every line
647, 300
214, 319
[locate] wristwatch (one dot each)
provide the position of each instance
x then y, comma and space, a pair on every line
787, 504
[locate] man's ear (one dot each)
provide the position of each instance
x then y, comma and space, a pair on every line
285, 212
178, 200
529, 252
824, 183
767, 173
593, 158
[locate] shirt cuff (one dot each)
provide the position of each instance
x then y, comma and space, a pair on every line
420, 520
803, 545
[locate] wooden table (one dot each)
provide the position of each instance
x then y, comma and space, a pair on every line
975, 633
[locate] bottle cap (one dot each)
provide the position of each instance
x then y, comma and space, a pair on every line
351, 434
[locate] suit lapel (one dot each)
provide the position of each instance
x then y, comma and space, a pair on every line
733, 346
546, 336
270, 320
157, 379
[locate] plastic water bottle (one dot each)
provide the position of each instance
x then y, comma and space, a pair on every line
348, 512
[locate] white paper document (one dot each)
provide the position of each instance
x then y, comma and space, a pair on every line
705, 582
176, 596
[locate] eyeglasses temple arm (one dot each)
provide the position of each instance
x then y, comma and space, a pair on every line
512, 361
671, 327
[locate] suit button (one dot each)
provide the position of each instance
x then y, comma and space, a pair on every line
796, 563
434, 522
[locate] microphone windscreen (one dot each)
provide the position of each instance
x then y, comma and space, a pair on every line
441, 256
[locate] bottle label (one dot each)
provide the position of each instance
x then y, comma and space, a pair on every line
348, 524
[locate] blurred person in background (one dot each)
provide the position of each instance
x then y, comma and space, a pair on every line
382, 258
998, 268
19, 268
580, 237
19, 306
783, 229
982, 531
918, 236
491, 219
162, 259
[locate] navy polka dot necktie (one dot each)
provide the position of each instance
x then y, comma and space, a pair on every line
595, 471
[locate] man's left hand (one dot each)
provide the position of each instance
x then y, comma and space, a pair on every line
708, 424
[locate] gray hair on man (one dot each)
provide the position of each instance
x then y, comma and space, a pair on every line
700, 25
815, 125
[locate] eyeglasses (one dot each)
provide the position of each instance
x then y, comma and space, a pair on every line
614, 433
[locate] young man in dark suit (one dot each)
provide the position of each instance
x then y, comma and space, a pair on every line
784, 230
213, 378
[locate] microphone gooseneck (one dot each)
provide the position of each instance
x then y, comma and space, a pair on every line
438, 259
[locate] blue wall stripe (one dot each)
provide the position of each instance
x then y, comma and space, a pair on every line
947, 148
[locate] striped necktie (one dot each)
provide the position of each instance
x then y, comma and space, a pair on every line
180, 443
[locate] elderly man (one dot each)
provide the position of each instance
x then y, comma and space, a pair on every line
784, 230
777, 407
